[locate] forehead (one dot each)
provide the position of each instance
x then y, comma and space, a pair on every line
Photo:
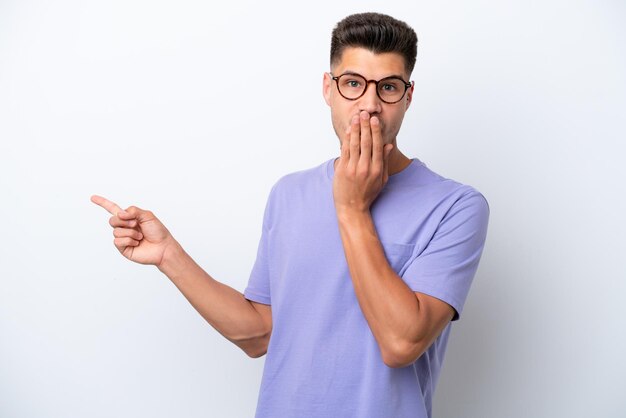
370, 64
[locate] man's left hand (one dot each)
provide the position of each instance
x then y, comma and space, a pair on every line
362, 169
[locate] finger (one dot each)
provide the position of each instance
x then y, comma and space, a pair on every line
126, 232
115, 221
366, 141
122, 243
355, 139
111, 207
133, 212
377, 145
125, 215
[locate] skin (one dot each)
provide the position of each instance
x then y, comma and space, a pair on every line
404, 323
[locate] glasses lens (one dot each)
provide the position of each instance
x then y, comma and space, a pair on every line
351, 86
391, 89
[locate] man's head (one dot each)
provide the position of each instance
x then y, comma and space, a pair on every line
377, 33
375, 47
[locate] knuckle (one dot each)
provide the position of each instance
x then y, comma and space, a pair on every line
362, 172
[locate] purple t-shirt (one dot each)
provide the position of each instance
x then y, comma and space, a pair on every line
322, 359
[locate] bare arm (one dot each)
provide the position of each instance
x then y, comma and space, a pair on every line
141, 237
404, 323
247, 324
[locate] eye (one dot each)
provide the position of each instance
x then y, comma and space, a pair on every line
352, 83
389, 87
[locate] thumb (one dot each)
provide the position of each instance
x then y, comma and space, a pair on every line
387, 150
133, 212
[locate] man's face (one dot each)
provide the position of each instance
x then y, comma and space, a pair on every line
373, 67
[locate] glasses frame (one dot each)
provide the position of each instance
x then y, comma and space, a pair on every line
407, 85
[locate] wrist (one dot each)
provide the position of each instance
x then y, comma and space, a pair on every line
352, 216
173, 258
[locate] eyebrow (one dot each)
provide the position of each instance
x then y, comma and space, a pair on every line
350, 72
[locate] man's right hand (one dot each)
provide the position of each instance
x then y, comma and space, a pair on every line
142, 238
139, 235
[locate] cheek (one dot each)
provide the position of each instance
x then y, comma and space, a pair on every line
341, 118
339, 124
391, 126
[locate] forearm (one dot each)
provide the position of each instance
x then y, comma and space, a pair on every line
388, 304
223, 307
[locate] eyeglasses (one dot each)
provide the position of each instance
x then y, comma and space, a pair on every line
390, 90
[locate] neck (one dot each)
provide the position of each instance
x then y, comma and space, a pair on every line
397, 161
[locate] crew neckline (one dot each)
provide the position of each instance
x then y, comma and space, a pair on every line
394, 178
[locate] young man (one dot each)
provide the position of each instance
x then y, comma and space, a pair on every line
363, 261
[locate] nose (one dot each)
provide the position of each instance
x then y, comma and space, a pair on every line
370, 102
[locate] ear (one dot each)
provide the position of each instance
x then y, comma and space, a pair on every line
409, 96
327, 85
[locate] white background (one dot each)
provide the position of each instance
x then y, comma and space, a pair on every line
524, 100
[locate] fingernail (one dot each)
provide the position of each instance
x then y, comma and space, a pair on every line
365, 115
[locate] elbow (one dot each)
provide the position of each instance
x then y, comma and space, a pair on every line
259, 348
254, 347
402, 354
398, 361
256, 353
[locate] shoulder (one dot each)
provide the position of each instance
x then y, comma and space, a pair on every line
301, 179
463, 202
463, 207
296, 191
428, 188
425, 194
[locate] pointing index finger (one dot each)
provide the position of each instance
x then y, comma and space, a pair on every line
110, 207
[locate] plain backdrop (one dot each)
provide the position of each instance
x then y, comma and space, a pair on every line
193, 110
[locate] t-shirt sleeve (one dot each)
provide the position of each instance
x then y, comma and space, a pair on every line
447, 265
258, 289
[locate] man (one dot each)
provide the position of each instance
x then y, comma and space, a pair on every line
363, 261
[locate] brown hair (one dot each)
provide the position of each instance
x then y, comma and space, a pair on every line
376, 32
